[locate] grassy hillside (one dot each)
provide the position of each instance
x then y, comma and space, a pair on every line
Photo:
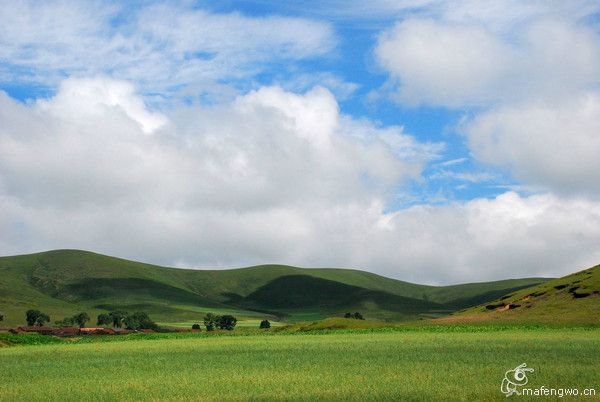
63, 282
573, 298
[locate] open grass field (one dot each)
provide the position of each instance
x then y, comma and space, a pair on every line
414, 363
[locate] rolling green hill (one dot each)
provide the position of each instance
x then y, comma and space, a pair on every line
63, 282
572, 298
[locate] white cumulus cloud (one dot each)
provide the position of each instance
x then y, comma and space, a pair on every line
549, 144
272, 177
527, 75
438, 62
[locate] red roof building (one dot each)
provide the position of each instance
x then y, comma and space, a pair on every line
66, 331
39, 330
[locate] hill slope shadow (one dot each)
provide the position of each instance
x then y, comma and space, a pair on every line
305, 291
131, 288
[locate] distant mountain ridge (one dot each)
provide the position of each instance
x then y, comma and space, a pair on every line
62, 282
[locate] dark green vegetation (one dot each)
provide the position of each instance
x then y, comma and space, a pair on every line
65, 282
36, 317
210, 321
226, 322
118, 319
573, 298
425, 363
139, 320
214, 321
104, 320
79, 319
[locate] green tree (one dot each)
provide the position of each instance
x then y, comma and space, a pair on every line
139, 320
227, 322
1, 317
117, 318
348, 315
42, 320
104, 319
31, 316
36, 317
65, 322
131, 323
210, 321
265, 324
358, 316
196, 326
144, 321
80, 319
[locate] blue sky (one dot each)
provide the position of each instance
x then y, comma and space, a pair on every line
312, 133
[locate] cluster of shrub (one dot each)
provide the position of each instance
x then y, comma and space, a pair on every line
226, 322
36, 317
138, 320
356, 316
118, 319
78, 320
214, 321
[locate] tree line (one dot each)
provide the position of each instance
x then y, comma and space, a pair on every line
214, 321
78, 319
138, 320
118, 319
225, 322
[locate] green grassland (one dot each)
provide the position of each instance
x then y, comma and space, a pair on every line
573, 298
412, 363
63, 282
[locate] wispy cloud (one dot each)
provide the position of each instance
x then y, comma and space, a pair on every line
499, 16
452, 162
473, 177
162, 48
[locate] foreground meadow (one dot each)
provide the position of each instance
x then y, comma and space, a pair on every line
420, 364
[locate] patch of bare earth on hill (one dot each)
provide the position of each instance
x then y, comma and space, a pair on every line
464, 318
494, 312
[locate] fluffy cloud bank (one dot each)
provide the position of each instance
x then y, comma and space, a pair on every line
93, 155
272, 177
549, 144
451, 64
528, 77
